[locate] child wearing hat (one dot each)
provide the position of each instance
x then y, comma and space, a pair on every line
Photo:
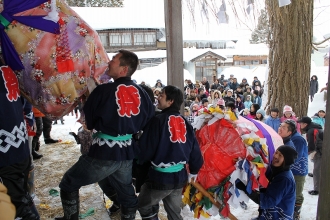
278, 199
289, 114
319, 117
260, 115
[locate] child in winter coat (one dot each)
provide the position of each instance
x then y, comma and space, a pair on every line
260, 115
253, 111
239, 104
215, 97
289, 114
248, 102
319, 117
273, 120
257, 98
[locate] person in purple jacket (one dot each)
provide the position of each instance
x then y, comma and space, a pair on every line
169, 143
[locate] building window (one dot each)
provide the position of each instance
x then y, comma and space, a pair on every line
115, 39
264, 62
150, 38
256, 62
104, 39
126, 39
138, 39
206, 67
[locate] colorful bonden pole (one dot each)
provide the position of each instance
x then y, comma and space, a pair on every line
174, 45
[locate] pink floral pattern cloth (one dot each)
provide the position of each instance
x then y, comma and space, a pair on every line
58, 67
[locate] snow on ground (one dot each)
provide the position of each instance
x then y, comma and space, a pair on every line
59, 157
152, 74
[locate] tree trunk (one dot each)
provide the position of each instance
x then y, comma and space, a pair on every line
323, 211
291, 30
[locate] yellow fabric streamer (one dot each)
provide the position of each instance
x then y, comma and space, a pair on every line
259, 165
213, 109
185, 198
248, 141
196, 211
204, 214
198, 197
231, 115
265, 149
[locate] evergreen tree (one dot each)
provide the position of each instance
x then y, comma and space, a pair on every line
96, 3
260, 34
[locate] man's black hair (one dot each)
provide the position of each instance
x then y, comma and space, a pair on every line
291, 125
130, 60
149, 92
174, 94
256, 92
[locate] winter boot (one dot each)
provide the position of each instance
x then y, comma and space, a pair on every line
115, 208
33, 207
297, 209
27, 214
37, 147
35, 155
50, 141
128, 213
30, 182
70, 203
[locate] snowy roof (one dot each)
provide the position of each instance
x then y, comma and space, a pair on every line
221, 57
190, 54
152, 74
150, 14
151, 54
245, 50
102, 18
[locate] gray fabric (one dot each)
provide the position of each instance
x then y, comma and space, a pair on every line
300, 181
317, 171
150, 198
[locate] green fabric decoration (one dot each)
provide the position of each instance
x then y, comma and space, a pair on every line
206, 202
90, 212
257, 159
4, 21
54, 192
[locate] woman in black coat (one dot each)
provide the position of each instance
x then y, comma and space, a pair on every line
314, 86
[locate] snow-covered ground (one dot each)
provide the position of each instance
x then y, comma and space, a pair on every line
59, 157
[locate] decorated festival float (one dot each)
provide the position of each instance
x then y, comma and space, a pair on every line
56, 56
233, 147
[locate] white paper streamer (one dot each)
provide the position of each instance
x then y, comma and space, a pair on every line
53, 14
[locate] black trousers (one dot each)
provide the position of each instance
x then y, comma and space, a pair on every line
14, 177
44, 125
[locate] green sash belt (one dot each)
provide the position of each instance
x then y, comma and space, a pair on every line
109, 137
171, 169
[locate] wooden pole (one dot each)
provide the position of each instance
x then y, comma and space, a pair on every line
207, 194
174, 43
323, 211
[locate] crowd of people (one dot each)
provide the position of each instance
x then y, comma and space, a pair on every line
157, 158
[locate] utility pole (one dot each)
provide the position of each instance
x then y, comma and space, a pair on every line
174, 45
323, 211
